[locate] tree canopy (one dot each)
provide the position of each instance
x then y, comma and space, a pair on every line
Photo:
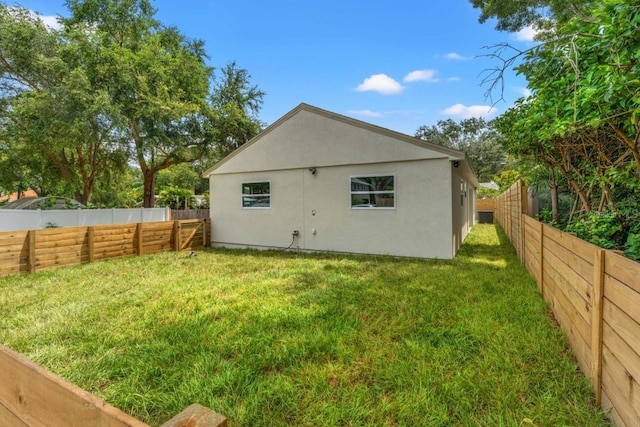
477, 138
113, 85
583, 117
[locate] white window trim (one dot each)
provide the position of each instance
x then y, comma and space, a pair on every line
371, 208
242, 195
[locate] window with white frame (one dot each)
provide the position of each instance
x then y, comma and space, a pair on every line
256, 195
373, 191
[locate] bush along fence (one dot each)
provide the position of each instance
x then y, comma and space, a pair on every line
595, 297
28, 251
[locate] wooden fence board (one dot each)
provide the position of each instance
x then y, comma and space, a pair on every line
62, 240
624, 411
125, 237
624, 382
112, 253
8, 418
58, 247
578, 265
624, 297
44, 399
13, 269
577, 331
577, 291
626, 327
15, 252
571, 243
616, 346
113, 244
10, 241
607, 406
45, 233
623, 269
166, 225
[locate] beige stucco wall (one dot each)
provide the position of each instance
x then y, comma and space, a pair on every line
419, 226
427, 221
314, 140
463, 208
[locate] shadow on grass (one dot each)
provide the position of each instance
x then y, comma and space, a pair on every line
488, 244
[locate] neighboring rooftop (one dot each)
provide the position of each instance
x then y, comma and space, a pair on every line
52, 202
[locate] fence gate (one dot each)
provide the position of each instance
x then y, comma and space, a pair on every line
189, 234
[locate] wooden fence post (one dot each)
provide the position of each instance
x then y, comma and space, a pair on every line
541, 252
205, 224
31, 260
139, 239
90, 242
596, 322
524, 210
176, 236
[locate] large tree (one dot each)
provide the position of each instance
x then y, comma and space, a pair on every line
114, 81
162, 87
53, 113
513, 15
156, 78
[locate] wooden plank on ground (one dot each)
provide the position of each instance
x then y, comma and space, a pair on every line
197, 416
9, 419
40, 398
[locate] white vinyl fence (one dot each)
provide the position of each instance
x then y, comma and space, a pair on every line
19, 219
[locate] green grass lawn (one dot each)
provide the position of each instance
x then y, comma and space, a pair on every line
273, 339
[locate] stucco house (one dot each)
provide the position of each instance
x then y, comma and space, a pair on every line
319, 181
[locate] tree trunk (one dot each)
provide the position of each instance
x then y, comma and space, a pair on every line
149, 199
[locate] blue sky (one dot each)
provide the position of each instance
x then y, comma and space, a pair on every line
398, 64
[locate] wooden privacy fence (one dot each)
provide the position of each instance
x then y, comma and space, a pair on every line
595, 296
29, 251
31, 396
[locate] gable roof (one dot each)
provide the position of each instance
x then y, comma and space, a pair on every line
311, 127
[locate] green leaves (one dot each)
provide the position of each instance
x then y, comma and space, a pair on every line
477, 138
583, 118
116, 80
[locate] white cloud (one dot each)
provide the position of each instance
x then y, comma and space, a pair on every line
454, 79
50, 21
469, 111
456, 56
421, 76
364, 113
527, 34
526, 92
380, 83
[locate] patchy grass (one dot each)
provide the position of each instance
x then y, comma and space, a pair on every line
274, 339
